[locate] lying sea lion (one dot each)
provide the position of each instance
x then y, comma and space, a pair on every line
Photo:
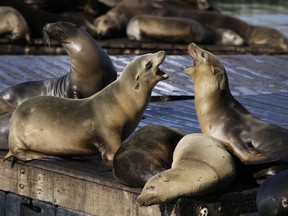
201, 165
178, 30
144, 154
45, 125
13, 25
221, 116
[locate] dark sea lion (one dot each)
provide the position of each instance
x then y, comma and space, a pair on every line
220, 115
13, 25
201, 165
144, 154
272, 196
90, 71
45, 125
91, 68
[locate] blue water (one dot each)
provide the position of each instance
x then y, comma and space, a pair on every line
271, 13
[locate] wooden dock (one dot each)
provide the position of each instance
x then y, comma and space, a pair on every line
82, 187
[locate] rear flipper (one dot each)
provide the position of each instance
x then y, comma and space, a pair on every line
31, 155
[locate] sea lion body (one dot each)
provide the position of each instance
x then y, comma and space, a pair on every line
13, 24
272, 196
221, 116
47, 125
169, 29
201, 165
144, 154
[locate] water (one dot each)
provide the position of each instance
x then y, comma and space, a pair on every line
270, 13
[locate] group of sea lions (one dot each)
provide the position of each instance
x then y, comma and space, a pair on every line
193, 21
166, 162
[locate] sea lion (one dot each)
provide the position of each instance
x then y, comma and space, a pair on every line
168, 29
13, 25
91, 68
220, 115
272, 196
144, 154
90, 71
201, 165
46, 125
178, 30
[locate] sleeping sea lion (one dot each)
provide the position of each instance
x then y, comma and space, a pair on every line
201, 165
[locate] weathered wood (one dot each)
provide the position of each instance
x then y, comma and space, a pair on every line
258, 82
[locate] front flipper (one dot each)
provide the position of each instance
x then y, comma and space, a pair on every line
33, 155
248, 154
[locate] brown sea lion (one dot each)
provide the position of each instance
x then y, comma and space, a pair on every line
45, 125
168, 29
178, 30
201, 165
13, 25
144, 154
223, 117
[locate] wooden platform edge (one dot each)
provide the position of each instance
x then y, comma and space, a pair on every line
70, 191
95, 197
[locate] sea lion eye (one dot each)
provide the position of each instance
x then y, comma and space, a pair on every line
148, 66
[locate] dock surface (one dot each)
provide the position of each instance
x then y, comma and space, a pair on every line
260, 83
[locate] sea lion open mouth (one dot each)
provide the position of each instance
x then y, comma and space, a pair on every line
162, 74
192, 53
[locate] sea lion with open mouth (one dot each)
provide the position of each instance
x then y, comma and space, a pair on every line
45, 125
221, 116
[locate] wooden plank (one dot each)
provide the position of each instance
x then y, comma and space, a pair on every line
74, 185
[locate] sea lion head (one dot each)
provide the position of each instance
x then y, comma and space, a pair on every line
207, 69
229, 37
145, 70
67, 34
156, 190
60, 31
